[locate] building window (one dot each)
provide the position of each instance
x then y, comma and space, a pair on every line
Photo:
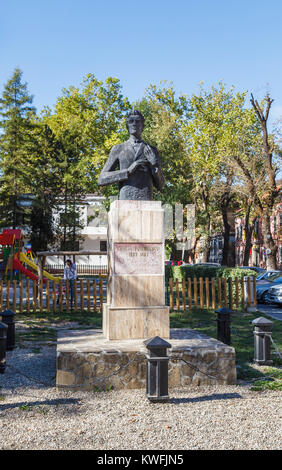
103, 245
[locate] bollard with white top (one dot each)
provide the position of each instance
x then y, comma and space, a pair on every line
262, 339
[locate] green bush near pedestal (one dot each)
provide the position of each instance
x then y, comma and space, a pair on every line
191, 271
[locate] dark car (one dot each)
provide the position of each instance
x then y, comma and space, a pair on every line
264, 276
263, 288
207, 264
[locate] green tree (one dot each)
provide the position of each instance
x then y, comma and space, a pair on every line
87, 122
17, 114
92, 115
44, 163
213, 135
258, 167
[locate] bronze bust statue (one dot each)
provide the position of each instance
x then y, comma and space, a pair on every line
135, 165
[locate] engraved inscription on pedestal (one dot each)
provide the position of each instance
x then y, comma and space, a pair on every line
138, 258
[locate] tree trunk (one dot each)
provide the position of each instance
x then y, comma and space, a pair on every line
206, 248
270, 247
249, 228
226, 236
207, 238
248, 246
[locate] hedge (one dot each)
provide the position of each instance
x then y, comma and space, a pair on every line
191, 271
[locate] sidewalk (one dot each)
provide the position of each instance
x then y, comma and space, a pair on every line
271, 310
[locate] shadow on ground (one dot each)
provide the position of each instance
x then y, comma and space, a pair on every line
214, 396
55, 402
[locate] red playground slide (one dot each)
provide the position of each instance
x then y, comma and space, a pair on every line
17, 265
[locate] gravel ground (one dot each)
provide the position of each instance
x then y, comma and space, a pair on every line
34, 415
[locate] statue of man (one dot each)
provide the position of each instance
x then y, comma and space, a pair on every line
135, 165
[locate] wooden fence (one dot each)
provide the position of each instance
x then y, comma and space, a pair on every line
30, 296
211, 293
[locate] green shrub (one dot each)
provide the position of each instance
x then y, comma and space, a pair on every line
168, 271
186, 271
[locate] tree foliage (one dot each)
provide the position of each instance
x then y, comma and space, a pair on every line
16, 113
215, 148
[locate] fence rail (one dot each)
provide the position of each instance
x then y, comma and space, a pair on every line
91, 269
211, 293
30, 296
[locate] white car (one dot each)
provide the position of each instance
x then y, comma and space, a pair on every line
274, 295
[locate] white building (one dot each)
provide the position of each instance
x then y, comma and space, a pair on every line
93, 217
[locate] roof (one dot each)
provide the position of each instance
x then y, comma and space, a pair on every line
17, 232
7, 239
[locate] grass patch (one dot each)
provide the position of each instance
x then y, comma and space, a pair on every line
242, 339
90, 319
272, 381
36, 334
24, 407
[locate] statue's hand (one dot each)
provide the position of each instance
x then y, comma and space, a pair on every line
140, 162
150, 155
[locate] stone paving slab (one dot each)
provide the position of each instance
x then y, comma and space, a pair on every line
94, 341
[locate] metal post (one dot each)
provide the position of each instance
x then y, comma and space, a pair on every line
262, 335
157, 369
3, 345
167, 293
8, 317
223, 325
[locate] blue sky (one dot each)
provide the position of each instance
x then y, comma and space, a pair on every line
57, 42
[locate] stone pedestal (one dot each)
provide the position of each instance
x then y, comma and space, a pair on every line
86, 360
135, 307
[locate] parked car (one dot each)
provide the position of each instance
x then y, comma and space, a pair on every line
207, 264
274, 295
263, 288
253, 268
267, 274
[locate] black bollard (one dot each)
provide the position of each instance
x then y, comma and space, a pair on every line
3, 346
8, 317
223, 325
157, 369
262, 338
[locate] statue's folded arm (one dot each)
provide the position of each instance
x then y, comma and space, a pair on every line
109, 174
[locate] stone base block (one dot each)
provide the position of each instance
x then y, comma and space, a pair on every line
121, 323
86, 360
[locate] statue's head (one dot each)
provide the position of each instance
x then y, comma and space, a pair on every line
135, 123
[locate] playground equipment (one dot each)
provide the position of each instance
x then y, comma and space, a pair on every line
14, 259
24, 259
